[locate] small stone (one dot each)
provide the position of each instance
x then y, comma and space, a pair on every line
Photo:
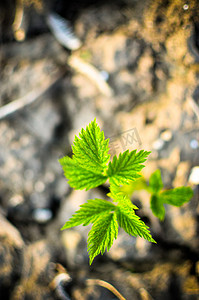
194, 144
16, 200
185, 6
105, 75
194, 176
42, 215
158, 144
166, 135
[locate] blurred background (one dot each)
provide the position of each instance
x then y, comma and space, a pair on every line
134, 66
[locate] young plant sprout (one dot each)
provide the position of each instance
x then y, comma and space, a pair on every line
89, 167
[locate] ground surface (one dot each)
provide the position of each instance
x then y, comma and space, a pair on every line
137, 73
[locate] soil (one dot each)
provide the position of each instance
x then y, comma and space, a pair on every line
137, 73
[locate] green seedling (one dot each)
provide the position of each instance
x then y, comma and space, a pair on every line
89, 167
159, 196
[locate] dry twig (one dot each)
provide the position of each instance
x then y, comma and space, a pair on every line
106, 285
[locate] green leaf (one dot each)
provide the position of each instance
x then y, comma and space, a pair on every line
79, 176
157, 207
87, 167
177, 196
125, 168
131, 223
119, 196
102, 235
115, 191
139, 184
91, 149
155, 182
89, 212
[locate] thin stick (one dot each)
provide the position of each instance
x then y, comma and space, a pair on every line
105, 285
17, 25
18, 15
92, 73
144, 294
29, 98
